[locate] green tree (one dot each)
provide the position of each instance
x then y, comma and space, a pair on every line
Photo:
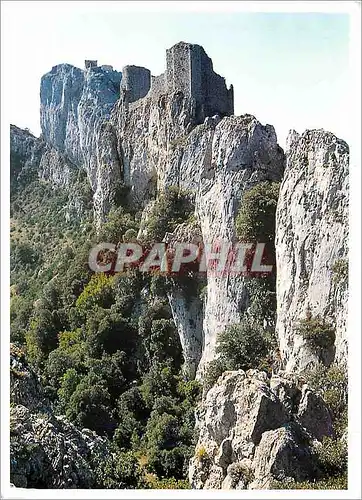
119, 471
172, 207
90, 406
256, 217
243, 346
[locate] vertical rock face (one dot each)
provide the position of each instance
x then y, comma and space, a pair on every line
60, 93
312, 243
218, 161
73, 105
242, 153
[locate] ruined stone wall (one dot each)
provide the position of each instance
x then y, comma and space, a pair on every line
89, 63
107, 67
136, 81
218, 96
178, 64
190, 70
159, 84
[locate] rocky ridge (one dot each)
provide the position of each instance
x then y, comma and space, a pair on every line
151, 133
145, 133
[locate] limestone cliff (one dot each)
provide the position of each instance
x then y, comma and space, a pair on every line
217, 161
73, 106
312, 244
149, 133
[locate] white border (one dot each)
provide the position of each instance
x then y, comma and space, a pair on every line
350, 7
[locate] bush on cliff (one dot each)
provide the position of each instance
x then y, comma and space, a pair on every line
243, 346
256, 217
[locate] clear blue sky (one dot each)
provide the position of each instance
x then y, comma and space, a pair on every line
289, 70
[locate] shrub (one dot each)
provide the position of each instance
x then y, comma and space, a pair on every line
332, 384
109, 332
42, 336
119, 471
116, 370
89, 406
118, 222
159, 381
130, 236
332, 456
331, 483
124, 434
61, 360
201, 454
152, 482
68, 385
168, 463
213, 371
318, 333
242, 346
162, 431
340, 271
98, 291
173, 207
263, 303
256, 217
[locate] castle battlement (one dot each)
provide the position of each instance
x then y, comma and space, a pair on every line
188, 70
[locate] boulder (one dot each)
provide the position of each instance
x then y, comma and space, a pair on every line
254, 430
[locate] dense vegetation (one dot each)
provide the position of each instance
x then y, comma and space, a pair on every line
105, 346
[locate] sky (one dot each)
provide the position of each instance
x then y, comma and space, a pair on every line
288, 69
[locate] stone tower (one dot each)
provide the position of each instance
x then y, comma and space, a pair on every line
88, 63
190, 70
136, 82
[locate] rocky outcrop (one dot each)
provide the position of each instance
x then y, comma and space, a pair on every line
312, 244
154, 140
46, 451
25, 388
253, 430
73, 106
241, 154
25, 154
147, 133
217, 161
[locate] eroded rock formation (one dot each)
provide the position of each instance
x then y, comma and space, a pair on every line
253, 431
312, 244
150, 133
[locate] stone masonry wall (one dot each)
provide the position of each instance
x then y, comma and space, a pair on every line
136, 81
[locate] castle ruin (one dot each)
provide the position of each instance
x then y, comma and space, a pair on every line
136, 82
188, 70
88, 63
